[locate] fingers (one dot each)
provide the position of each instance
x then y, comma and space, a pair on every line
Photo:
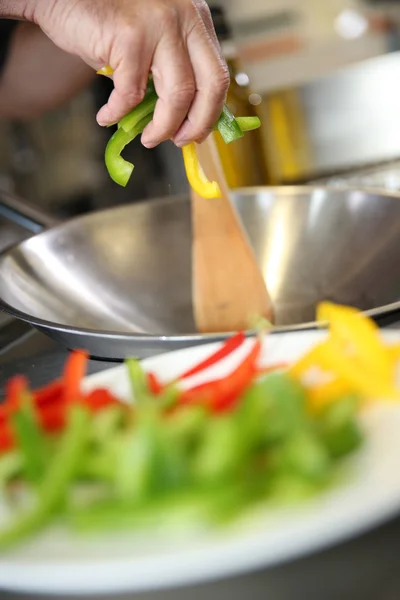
212, 80
175, 85
130, 76
204, 12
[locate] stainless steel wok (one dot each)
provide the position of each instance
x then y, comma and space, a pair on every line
118, 282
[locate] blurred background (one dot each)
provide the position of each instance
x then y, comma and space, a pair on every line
323, 76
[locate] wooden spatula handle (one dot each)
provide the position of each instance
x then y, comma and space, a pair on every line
228, 287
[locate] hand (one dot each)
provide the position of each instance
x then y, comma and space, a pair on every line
173, 39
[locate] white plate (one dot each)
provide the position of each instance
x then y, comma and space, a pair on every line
60, 563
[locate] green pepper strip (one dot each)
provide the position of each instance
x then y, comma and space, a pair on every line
228, 126
138, 381
248, 123
30, 441
120, 170
58, 476
149, 99
142, 110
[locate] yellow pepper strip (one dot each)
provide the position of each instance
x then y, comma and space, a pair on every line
196, 176
355, 333
107, 71
313, 358
320, 395
394, 352
355, 353
358, 375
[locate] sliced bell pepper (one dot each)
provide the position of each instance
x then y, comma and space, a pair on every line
138, 381
101, 398
272, 409
120, 170
314, 358
106, 70
228, 126
322, 395
10, 467
15, 388
54, 392
248, 123
357, 334
195, 174
4, 413
53, 418
155, 386
394, 352
359, 376
56, 480
142, 110
227, 348
30, 442
169, 396
7, 437
74, 371
223, 394
231, 388
337, 424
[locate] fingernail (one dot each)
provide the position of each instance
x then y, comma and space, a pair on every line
149, 144
182, 138
180, 142
103, 117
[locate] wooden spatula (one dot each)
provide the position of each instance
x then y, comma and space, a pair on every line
228, 287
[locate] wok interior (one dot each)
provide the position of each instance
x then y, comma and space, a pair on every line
128, 269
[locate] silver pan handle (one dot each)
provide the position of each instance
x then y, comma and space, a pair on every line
24, 214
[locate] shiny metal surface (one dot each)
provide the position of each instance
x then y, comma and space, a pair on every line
118, 281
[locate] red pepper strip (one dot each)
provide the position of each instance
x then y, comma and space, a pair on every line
222, 394
50, 394
4, 413
7, 438
14, 388
101, 398
227, 348
52, 418
74, 371
155, 386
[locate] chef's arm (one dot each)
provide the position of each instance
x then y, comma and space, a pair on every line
37, 76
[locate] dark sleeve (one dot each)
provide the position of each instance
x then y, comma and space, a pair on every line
6, 29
